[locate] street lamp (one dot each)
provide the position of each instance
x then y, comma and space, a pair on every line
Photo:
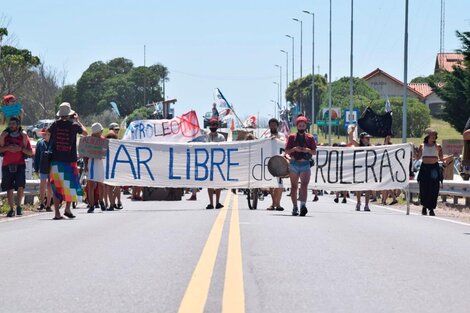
301, 30
278, 93
313, 66
287, 67
280, 84
275, 108
292, 37
329, 83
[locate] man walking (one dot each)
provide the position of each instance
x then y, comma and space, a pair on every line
14, 144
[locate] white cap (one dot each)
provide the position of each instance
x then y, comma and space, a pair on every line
96, 128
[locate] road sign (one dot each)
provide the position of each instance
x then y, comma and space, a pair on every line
350, 117
325, 122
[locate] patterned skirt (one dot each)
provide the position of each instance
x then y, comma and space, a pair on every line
65, 181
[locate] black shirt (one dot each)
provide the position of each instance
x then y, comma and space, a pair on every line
64, 140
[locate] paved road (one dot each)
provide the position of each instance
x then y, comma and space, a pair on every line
179, 257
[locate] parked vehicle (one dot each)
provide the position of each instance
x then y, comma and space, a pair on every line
37, 130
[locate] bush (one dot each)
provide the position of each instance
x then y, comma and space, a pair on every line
142, 113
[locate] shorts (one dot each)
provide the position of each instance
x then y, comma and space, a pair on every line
298, 167
14, 180
43, 176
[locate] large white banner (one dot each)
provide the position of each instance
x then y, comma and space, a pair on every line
361, 168
182, 128
244, 164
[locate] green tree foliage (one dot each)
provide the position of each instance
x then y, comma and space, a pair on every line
141, 113
455, 88
119, 81
363, 93
16, 67
300, 90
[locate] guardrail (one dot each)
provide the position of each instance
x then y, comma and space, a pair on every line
449, 188
31, 190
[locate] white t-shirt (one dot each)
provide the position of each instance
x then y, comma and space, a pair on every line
215, 138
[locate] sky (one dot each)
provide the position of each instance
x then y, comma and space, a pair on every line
233, 45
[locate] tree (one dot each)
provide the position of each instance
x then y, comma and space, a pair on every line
300, 90
118, 81
15, 68
455, 88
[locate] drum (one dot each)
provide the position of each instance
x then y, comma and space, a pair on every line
278, 166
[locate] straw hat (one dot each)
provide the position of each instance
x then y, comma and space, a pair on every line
96, 128
65, 110
429, 131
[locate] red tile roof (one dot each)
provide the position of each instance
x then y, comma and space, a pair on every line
447, 61
378, 71
423, 88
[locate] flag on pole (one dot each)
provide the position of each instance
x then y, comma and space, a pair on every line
114, 108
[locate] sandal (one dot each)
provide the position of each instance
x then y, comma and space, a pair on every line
69, 215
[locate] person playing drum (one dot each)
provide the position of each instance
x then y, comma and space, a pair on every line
276, 193
300, 148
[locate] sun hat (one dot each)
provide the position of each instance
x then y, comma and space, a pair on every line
96, 128
65, 110
364, 135
114, 126
7, 98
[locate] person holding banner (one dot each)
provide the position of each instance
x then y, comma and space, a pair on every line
300, 147
214, 136
64, 175
276, 193
364, 141
97, 170
429, 174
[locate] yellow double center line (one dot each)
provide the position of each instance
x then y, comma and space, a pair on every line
233, 301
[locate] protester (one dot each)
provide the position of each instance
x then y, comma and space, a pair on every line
215, 112
387, 193
429, 172
45, 189
276, 193
7, 101
300, 148
113, 193
98, 174
64, 175
15, 145
114, 128
364, 141
214, 136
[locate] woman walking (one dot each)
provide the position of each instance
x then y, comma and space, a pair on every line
64, 176
429, 172
300, 147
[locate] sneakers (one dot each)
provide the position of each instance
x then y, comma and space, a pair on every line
279, 208
424, 211
336, 200
219, 206
102, 206
41, 207
393, 202
303, 211
91, 209
358, 207
344, 200
366, 208
11, 213
111, 207
315, 199
119, 206
209, 207
19, 210
431, 212
48, 209
295, 211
